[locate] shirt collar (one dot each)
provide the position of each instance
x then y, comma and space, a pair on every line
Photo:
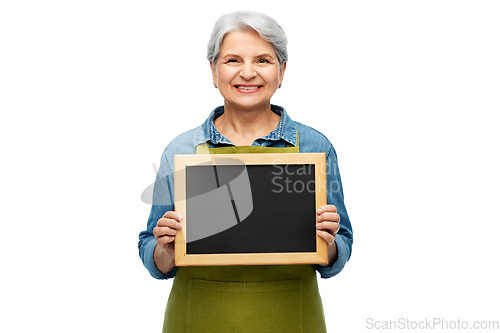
285, 130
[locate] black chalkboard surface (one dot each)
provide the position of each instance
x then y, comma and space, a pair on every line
279, 218
249, 209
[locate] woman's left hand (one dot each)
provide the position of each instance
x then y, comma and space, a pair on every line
328, 223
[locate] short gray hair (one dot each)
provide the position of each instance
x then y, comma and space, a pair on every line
266, 26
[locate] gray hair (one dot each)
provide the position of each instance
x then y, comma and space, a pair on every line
266, 26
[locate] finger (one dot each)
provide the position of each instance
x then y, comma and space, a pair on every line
164, 231
173, 215
330, 227
328, 238
165, 240
326, 208
168, 222
334, 217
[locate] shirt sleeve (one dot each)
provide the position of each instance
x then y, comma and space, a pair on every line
335, 196
161, 203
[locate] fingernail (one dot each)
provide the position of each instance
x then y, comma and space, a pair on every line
179, 216
319, 211
318, 218
318, 225
318, 232
179, 225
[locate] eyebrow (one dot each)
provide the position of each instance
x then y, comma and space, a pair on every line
230, 55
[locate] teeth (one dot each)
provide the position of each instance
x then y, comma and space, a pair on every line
240, 87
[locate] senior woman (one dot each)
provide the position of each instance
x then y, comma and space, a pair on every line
247, 54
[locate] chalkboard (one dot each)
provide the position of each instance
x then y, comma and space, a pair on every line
244, 209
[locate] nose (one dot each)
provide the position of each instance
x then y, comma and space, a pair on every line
247, 71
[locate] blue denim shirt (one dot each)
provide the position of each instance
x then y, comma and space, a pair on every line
311, 141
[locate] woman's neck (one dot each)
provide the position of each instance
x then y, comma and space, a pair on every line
242, 127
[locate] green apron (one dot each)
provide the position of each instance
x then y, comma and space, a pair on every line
235, 299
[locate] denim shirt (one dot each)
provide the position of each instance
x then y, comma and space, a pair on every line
311, 141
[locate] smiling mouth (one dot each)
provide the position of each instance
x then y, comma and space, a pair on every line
248, 87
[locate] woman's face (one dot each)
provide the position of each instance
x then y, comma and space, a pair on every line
247, 71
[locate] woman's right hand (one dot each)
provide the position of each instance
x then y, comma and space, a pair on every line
164, 232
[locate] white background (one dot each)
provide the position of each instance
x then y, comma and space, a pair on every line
91, 93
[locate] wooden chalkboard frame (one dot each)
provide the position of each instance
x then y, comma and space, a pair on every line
184, 259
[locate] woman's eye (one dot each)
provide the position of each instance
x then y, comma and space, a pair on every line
231, 61
263, 61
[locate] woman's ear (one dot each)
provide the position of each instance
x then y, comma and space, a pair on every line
282, 73
214, 73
